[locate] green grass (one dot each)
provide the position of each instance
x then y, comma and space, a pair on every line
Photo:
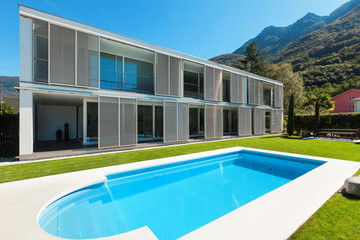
339, 218
341, 150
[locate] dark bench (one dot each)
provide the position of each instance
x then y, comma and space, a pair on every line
339, 133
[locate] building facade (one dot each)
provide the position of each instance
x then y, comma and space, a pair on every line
115, 91
344, 101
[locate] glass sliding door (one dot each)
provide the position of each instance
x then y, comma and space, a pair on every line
230, 122
150, 123
196, 122
145, 122
92, 122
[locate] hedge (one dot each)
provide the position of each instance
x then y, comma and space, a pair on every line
9, 135
330, 121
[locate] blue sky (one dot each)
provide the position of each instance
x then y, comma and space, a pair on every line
203, 28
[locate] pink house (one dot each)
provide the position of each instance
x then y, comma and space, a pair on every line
343, 101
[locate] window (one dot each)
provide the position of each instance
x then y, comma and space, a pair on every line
150, 122
226, 90
196, 122
351, 106
40, 51
267, 96
230, 122
125, 74
92, 121
351, 98
193, 85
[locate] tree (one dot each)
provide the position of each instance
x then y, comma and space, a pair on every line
6, 109
293, 83
322, 101
254, 61
290, 124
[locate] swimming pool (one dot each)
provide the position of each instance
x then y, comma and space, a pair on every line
172, 199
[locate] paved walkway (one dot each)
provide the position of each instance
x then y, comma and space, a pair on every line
81, 152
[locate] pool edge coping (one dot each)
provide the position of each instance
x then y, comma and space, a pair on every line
100, 173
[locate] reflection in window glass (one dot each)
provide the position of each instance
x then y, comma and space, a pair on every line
193, 85
196, 122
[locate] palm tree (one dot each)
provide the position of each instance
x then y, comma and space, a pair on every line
322, 101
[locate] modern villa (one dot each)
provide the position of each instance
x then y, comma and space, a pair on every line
115, 91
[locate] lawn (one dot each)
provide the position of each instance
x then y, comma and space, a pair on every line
337, 219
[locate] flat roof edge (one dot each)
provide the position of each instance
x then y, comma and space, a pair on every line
33, 13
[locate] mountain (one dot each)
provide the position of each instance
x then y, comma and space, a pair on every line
272, 39
275, 39
227, 59
330, 55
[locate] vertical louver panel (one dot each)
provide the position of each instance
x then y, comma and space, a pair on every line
183, 121
260, 87
170, 122
276, 121
62, 55
209, 83
209, 121
241, 89
278, 96
87, 60
109, 122
218, 119
175, 70
234, 97
162, 74
213, 121
259, 121
245, 121
218, 85
128, 120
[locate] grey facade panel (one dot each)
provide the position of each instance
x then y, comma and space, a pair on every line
62, 55
162, 74
218, 84
241, 89
87, 60
278, 96
170, 121
259, 121
234, 93
109, 122
175, 73
218, 119
183, 121
245, 121
209, 83
128, 120
209, 121
276, 121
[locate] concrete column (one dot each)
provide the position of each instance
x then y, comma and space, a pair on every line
26, 127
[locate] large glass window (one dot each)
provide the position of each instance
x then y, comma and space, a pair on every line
196, 122
138, 76
40, 51
150, 123
193, 85
226, 90
267, 96
135, 76
230, 122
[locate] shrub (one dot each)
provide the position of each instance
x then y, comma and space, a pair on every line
9, 135
330, 121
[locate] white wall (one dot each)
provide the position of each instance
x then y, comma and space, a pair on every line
357, 106
50, 118
26, 123
25, 49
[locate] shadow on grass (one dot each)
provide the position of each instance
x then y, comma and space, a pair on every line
293, 137
348, 196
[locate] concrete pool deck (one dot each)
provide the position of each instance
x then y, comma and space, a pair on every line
276, 215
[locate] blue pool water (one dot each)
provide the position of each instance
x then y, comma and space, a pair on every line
173, 199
